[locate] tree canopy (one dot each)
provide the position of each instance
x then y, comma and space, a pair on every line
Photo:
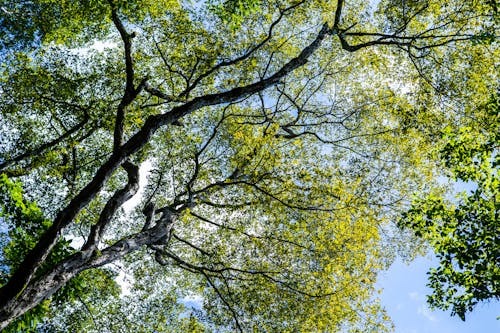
270, 146
464, 233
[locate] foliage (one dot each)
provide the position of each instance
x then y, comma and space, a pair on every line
465, 232
25, 223
233, 12
278, 143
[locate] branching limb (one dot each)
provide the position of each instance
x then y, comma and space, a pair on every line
246, 55
46, 285
399, 39
197, 248
252, 236
291, 135
197, 155
158, 93
131, 91
115, 202
39, 150
223, 299
20, 279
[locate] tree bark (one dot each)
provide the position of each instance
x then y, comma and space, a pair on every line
51, 282
19, 294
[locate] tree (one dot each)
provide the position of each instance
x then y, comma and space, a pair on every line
280, 140
464, 233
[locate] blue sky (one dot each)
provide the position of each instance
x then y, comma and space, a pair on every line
404, 298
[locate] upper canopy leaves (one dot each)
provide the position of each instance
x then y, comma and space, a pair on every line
280, 140
465, 234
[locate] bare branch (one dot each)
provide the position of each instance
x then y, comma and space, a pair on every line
217, 291
45, 146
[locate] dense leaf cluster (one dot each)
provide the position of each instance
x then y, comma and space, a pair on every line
24, 223
269, 147
465, 234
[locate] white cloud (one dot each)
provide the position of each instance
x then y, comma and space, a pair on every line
415, 296
424, 311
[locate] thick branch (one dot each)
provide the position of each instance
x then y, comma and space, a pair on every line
115, 202
39, 253
35, 257
131, 91
127, 43
147, 237
48, 284
338, 13
244, 56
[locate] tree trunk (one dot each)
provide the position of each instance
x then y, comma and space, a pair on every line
47, 285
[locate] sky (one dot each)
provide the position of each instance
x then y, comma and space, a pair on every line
404, 292
404, 297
